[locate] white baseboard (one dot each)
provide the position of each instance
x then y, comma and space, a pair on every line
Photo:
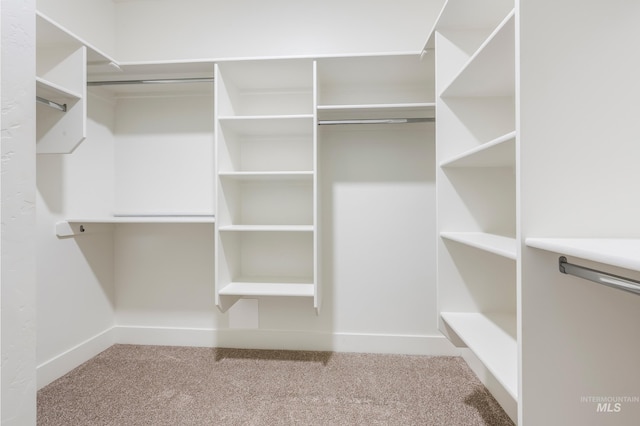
61, 364
288, 340
58, 366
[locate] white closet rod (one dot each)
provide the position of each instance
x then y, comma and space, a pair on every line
152, 81
378, 121
599, 277
55, 105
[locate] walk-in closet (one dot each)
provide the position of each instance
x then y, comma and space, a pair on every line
420, 178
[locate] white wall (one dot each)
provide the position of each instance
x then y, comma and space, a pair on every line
579, 155
153, 30
18, 299
76, 295
93, 21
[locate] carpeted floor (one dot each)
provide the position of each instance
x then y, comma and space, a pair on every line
157, 385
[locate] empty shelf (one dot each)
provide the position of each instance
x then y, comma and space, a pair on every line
257, 176
620, 252
496, 244
500, 152
492, 338
268, 289
269, 228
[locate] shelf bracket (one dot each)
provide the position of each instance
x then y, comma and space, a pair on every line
68, 229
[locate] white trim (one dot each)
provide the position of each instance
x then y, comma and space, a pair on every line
290, 340
61, 364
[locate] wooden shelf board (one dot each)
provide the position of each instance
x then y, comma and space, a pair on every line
499, 152
492, 338
269, 125
496, 244
257, 176
49, 32
268, 289
619, 252
54, 92
266, 228
491, 70
145, 219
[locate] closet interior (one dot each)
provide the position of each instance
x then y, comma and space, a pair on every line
321, 203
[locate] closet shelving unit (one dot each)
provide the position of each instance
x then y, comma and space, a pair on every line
476, 182
61, 69
266, 183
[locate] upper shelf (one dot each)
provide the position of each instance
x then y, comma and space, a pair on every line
51, 33
491, 69
620, 252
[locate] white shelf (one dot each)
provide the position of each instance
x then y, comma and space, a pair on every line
496, 244
258, 176
620, 252
418, 106
500, 152
55, 92
145, 219
267, 228
491, 70
76, 226
492, 338
49, 32
256, 289
269, 125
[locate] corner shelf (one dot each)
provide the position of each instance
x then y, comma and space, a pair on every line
620, 252
492, 338
491, 70
500, 152
496, 244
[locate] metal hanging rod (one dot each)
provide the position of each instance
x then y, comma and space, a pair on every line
152, 81
378, 121
610, 280
55, 105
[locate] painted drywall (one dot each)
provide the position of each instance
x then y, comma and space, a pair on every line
94, 21
579, 178
76, 295
154, 30
18, 299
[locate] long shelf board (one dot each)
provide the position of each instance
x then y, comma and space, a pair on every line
496, 244
268, 289
492, 338
257, 176
500, 152
620, 252
491, 70
267, 228
76, 226
426, 106
48, 90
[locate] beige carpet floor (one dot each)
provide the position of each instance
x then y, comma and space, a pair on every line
157, 385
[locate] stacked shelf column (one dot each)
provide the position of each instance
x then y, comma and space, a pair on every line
476, 152
266, 228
